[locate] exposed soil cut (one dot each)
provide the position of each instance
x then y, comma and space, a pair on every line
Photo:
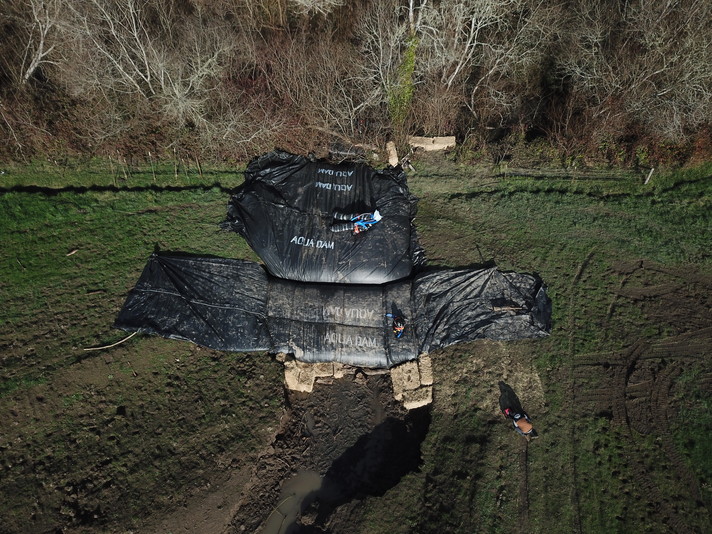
351, 433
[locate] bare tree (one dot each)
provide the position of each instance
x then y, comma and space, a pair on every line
31, 37
126, 48
481, 55
389, 47
308, 7
314, 80
45, 16
672, 89
382, 32
488, 51
642, 62
453, 36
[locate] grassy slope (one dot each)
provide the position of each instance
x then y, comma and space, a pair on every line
583, 473
70, 257
88, 435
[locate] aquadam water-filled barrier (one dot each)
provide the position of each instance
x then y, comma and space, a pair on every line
315, 221
340, 281
235, 305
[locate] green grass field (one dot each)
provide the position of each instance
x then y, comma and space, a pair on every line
626, 264
92, 441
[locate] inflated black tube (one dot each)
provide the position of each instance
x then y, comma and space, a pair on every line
234, 305
288, 203
342, 227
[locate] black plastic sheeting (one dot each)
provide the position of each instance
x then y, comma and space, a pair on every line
234, 305
215, 302
453, 306
285, 211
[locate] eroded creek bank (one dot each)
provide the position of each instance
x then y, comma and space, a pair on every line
339, 443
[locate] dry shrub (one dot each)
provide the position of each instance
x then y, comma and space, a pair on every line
702, 146
313, 82
438, 110
231, 77
648, 63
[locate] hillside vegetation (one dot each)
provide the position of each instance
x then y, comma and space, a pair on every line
212, 80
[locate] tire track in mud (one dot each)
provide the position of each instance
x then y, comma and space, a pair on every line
575, 499
524, 490
634, 390
660, 405
641, 408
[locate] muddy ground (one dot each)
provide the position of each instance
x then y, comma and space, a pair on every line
639, 389
361, 443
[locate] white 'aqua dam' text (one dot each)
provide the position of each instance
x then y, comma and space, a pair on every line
345, 339
334, 187
348, 313
309, 242
332, 172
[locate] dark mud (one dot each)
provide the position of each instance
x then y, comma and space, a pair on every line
353, 434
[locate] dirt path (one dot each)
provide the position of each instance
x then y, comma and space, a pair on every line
207, 510
575, 295
524, 526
